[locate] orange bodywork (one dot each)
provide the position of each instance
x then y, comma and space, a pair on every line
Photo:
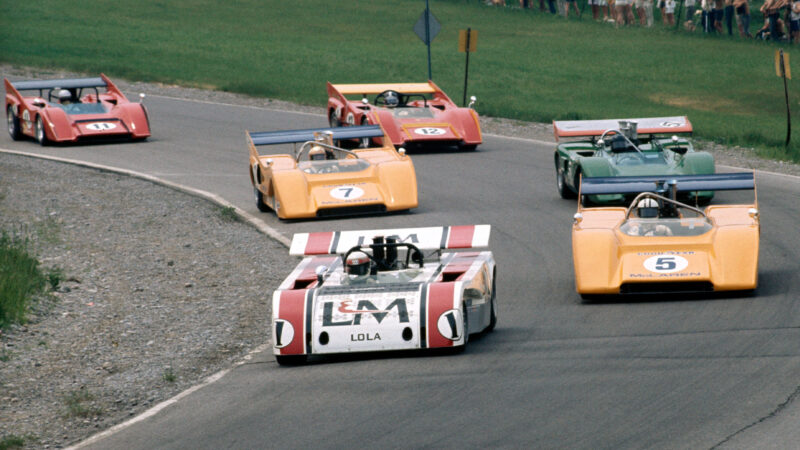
608, 261
389, 183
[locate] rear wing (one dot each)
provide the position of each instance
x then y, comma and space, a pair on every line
651, 125
67, 83
661, 183
298, 136
377, 88
428, 238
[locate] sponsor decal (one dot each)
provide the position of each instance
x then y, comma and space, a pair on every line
26, 115
363, 308
282, 333
665, 263
351, 119
358, 337
101, 126
346, 192
430, 131
450, 325
669, 124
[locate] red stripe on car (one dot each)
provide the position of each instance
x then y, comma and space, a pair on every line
461, 236
319, 243
292, 308
440, 300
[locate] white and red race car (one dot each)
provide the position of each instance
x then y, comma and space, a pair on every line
381, 290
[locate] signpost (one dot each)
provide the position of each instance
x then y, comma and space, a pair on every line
427, 27
467, 42
783, 70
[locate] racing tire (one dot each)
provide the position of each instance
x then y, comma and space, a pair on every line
333, 121
493, 305
561, 184
589, 298
291, 360
467, 147
13, 124
40, 133
260, 204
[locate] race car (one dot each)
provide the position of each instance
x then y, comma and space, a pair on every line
412, 114
321, 179
382, 290
620, 147
71, 110
659, 244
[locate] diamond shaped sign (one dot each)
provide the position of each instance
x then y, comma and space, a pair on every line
433, 26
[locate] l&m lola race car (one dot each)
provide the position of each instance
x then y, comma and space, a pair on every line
377, 290
321, 179
659, 244
411, 113
629, 147
68, 110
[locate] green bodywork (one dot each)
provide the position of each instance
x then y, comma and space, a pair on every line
658, 156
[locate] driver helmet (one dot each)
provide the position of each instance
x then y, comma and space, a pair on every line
647, 208
357, 265
317, 153
391, 99
64, 97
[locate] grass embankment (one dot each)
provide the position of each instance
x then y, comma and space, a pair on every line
21, 278
528, 65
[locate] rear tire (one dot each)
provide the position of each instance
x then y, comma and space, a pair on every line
493, 303
13, 124
291, 360
260, 200
467, 147
41, 134
333, 121
561, 182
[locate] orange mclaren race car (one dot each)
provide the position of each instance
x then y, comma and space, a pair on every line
321, 179
661, 245
71, 110
411, 113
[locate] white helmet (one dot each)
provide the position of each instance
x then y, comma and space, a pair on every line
647, 208
64, 95
358, 265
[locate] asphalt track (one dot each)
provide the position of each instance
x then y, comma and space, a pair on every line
664, 373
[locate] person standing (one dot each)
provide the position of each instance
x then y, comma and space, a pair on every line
644, 9
716, 15
794, 21
729, 16
688, 24
669, 10
573, 3
624, 12
742, 9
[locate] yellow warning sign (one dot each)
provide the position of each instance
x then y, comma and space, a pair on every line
468, 35
786, 67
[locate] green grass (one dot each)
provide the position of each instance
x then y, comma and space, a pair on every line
11, 441
75, 402
20, 279
528, 65
228, 214
169, 375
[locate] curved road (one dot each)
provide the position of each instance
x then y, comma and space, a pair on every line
667, 373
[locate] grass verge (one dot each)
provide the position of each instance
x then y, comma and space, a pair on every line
21, 278
528, 66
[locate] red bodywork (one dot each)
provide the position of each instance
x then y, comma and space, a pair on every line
434, 120
120, 118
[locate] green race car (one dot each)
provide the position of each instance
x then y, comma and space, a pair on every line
627, 147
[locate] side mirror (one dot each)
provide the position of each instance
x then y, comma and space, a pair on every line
269, 162
601, 143
402, 151
577, 218
365, 101
753, 213
320, 271
472, 101
141, 97
416, 257
39, 102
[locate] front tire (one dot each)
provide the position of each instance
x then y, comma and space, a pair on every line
41, 134
13, 124
333, 121
260, 204
467, 147
561, 183
364, 142
291, 360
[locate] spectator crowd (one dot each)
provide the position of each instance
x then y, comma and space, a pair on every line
710, 16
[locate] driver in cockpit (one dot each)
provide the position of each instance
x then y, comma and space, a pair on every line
358, 267
648, 211
391, 99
